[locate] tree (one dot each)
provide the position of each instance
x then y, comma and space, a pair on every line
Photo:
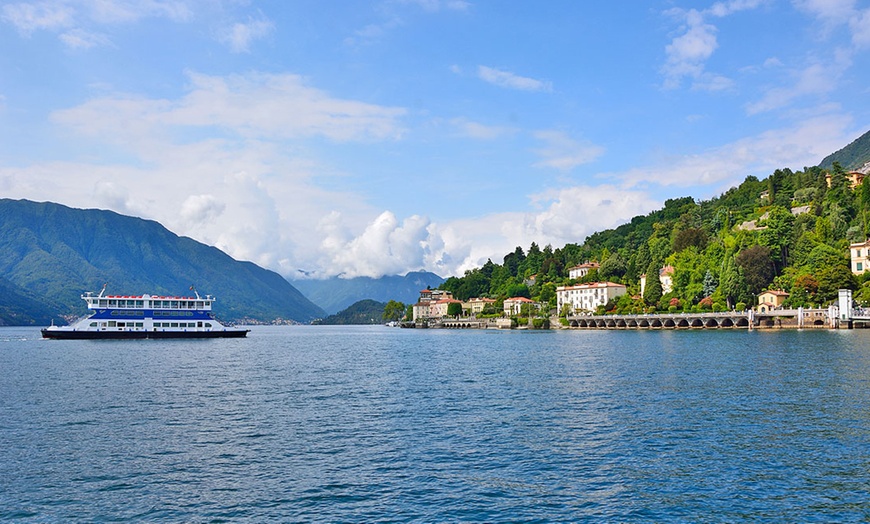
732, 281
612, 267
690, 237
757, 267
777, 234
832, 279
652, 292
393, 310
454, 309
710, 284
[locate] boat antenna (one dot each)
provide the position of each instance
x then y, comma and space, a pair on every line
103, 290
193, 288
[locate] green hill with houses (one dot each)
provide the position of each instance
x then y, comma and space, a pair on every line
790, 232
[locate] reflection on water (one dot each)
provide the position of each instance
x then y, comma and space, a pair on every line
372, 423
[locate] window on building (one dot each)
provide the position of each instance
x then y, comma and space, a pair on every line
859, 266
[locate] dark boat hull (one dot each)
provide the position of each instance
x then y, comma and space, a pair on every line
120, 335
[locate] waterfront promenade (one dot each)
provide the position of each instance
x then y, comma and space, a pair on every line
783, 318
800, 318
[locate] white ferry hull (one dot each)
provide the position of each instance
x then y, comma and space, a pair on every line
65, 334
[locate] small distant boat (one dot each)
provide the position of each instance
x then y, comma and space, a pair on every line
145, 316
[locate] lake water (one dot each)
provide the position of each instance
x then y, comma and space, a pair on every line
373, 424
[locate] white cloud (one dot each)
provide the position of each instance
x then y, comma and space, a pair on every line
126, 11
511, 80
479, 131
833, 11
687, 54
76, 21
255, 105
30, 17
240, 35
804, 143
385, 247
201, 209
817, 78
721, 9
564, 153
80, 39
859, 24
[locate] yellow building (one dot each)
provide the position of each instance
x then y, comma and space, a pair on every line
770, 300
860, 255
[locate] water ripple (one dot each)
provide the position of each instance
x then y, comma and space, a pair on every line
301, 424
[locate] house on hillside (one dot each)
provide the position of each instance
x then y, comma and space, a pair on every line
855, 178
438, 309
426, 305
860, 256
475, 305
513, 306
666, 277
587, 297
770, 300
582, 270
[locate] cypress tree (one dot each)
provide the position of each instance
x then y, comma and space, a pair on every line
652, 293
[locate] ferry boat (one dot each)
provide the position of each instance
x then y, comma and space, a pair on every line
145, 316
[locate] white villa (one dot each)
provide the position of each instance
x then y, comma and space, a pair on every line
587, 297
666, 277
582, 270
513, 306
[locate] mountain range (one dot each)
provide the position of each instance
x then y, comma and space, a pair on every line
50, 254
335, 294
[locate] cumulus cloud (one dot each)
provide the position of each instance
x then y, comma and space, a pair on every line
687, 54
386, 246
510, 80
201, 209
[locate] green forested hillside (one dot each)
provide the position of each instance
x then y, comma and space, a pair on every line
335, 294
56, 253
360, 313
789, 232
851, 157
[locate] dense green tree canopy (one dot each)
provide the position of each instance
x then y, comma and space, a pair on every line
789, 231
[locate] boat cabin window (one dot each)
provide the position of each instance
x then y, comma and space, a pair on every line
104, 302
93, 324
208, 324
113, 303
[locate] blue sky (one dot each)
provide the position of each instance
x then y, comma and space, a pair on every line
371, 138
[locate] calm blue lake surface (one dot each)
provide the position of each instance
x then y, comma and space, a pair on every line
373, 424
